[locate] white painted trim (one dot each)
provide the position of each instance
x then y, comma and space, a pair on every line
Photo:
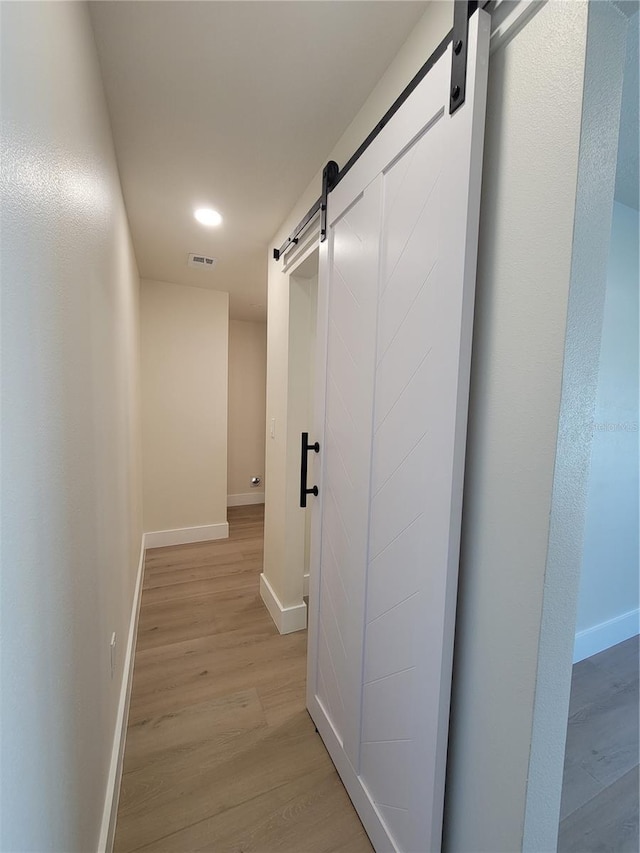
307, 244
186, 535
305, 584
287, 619
606, 634
245, 499
112, 795
508, 17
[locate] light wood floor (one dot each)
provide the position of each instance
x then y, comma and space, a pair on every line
221, 754
600, 789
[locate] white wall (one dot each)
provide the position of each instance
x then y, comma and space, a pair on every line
524, 268
247, 407
609, 575
600, 119
184, 369
71, 519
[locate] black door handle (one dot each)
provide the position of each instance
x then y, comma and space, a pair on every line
304, 491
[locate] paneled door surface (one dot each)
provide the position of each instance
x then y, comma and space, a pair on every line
395, 305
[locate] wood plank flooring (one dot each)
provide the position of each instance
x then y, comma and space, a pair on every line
221, 754
599, 809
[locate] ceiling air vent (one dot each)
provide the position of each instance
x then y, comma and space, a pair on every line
201, 262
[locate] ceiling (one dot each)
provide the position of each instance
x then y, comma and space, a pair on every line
233, 105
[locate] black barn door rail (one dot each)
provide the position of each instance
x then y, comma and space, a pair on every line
332, 175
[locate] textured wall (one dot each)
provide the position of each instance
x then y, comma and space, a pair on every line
71, 521
524, 268
603, 62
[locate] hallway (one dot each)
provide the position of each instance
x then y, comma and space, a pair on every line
221, 753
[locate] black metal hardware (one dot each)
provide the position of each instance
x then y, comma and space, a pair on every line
304, 491
462, 11
293, 239
395, 106
458, 36
329, 180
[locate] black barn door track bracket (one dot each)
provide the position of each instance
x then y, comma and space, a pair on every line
458, 37
462, 11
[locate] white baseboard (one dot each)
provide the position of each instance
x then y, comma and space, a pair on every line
112, 795
186, 535
606, 634
305, 585
245, 499
287, 619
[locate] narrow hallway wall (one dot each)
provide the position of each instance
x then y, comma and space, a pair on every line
247, 392
184, 364
71, 512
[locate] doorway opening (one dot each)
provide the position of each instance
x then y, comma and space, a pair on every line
303, 309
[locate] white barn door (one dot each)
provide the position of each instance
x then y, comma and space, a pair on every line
395, 308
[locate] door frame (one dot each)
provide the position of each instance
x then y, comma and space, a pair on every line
282, 582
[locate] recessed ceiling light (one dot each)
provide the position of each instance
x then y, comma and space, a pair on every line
207, 216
